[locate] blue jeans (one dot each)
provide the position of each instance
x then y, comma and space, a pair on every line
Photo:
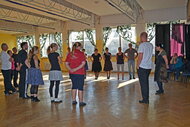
131, 64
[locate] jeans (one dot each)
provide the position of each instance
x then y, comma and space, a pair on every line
131, 64
143, 75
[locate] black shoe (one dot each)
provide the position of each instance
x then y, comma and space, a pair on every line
26, 97
143, 101
74, 102
58, 101
7, 93
82, 104
134, 77
159, 92
52, 101
32, 98
36, 99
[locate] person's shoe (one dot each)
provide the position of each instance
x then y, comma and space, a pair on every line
159, 92
74, 102
130, 78
134, 77
36, 99
32, 98
16, 86
26, 97
58, 101
82, 104
143, 101
7, 93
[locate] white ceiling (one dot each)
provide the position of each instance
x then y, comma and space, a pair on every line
160, 4
98, 7
101, 7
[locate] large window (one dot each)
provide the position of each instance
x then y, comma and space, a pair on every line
121, 37
27, 38
47, 39
87, 38
150, 29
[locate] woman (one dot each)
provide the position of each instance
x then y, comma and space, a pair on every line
75, 63
160, 74
34, 74
55, 75
107, 64
9, 52
120, 63
96, 64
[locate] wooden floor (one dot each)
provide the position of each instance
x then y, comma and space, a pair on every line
110, 103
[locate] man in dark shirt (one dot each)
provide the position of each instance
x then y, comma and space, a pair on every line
22, 57
15, 73
131, 54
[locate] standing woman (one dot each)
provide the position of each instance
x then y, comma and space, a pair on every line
108, 64
96, 64
55, 75
34, 74
160, 74
120, 63
75, 63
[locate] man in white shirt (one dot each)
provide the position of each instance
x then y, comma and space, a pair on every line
6, 69
144, 66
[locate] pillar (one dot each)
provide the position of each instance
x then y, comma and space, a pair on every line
140, 27
65, 40
37, 40
99, 35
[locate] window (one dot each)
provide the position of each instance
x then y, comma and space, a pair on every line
28, 38
86, 38
121, 37
150, 29
47, 39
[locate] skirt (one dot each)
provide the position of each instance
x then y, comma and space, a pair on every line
96, 67
108, 66
55, 75
34, 77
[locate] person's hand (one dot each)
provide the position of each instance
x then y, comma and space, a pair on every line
137, 67
72, 70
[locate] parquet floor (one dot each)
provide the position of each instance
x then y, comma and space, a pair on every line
110, 103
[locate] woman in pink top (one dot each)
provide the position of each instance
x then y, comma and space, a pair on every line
75, 62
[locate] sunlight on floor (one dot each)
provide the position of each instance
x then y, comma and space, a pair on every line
127, 83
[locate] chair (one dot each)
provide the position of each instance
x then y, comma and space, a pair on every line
185, 76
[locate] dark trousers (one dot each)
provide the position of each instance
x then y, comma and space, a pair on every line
14, 77
7, 81
143, 75
160, 86
22, 83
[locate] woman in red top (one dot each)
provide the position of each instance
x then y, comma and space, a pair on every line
75, 62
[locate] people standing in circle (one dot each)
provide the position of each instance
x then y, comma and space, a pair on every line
107, 62
144, 66
6, 69
131, 54
22, 66
75, 63
96, 63
15, 72
160, 74
34, 74
120, 63
86, 64
55, 74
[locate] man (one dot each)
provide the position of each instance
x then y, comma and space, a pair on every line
15, 71
6, 70
22, 58
131, 54
144, 65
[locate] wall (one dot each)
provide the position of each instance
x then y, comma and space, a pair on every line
9, 39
